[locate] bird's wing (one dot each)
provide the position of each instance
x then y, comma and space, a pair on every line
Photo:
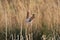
27, 15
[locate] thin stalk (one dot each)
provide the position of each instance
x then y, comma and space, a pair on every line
6, 24
12, 36
31, 33
21, 36
26, 32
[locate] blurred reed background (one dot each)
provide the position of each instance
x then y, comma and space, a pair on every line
47, 16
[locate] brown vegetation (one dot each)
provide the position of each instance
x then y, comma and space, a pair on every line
47, 13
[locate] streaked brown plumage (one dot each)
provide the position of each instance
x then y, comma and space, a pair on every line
29, 19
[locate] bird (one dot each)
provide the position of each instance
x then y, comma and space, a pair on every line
29, 19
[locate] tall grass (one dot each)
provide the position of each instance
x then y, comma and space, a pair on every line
47, 17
